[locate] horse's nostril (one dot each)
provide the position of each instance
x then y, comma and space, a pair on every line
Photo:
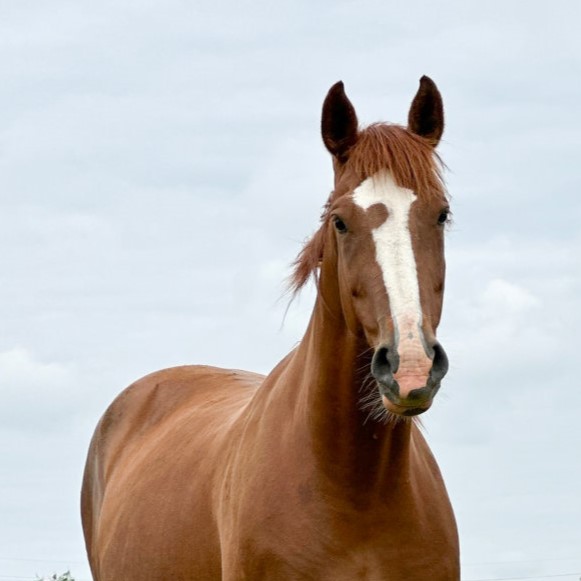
380, 361
440, 364
384, 364
380, 358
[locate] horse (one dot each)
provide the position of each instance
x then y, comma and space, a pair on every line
319, 470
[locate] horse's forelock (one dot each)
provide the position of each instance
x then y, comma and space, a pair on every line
411, 160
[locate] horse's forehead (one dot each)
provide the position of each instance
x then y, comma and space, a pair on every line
381, 189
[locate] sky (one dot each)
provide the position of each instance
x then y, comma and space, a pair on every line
160, 167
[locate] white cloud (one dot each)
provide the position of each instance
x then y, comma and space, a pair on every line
37, 395
503, 297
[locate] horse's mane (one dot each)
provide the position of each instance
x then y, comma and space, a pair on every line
410, 159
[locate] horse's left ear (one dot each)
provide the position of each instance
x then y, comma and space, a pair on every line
426, 116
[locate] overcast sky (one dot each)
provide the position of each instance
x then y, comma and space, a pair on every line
160, 166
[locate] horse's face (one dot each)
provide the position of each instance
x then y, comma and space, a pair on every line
389, 249
390, 269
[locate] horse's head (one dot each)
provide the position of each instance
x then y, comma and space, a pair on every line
381, 244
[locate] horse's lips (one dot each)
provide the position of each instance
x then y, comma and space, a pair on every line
411, 409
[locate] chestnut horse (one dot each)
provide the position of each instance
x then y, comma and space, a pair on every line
317, 471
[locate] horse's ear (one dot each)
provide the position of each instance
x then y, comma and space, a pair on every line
426, 116
338, 122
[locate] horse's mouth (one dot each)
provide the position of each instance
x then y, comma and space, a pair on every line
416, 402
406, 409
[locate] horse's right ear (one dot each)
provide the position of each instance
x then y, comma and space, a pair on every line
338, 123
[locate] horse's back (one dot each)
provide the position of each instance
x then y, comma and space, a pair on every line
159, 439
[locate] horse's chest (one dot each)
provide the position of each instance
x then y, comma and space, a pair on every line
369, 564
349, 553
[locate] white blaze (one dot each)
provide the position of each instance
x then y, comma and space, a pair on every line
394, 251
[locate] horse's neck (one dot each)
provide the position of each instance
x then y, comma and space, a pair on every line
325, 377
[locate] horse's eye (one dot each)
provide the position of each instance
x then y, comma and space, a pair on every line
340, 226
443, 217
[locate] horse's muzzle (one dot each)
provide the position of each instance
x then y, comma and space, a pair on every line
408, 384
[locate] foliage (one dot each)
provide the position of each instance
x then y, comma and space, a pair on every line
64, 577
